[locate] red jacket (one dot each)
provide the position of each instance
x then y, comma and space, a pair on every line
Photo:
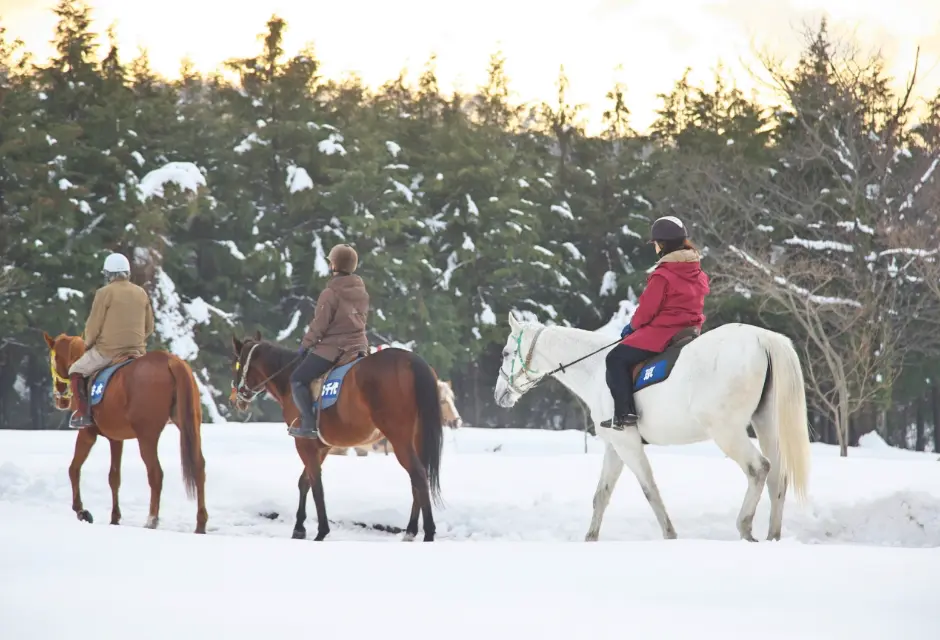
673, 300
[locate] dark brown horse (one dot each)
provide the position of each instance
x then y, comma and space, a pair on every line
392, 393
139, 401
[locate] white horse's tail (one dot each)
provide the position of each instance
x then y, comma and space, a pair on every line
788, 408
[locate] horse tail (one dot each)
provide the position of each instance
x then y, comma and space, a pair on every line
430, 422
188, 417
788, 409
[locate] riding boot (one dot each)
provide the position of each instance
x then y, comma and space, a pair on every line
624, 410
81, 416
303, 400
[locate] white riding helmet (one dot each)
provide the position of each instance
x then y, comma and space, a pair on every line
116, 263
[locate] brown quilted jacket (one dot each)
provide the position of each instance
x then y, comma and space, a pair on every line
339, 322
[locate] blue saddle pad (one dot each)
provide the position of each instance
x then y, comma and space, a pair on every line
333, 384
658, 368
100, 381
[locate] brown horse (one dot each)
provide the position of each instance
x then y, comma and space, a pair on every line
139, 401
392, 393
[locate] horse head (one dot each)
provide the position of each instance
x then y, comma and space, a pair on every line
517, 372
248, 371
64, 350
449, 411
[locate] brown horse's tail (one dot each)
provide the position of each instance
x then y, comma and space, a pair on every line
188, 417
430, 423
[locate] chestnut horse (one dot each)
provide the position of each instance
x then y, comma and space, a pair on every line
139, 401
392, 392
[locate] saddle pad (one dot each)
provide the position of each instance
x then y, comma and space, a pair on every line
99, 381
658, 368
329, 392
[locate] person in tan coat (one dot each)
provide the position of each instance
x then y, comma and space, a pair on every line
338, 328
118, 326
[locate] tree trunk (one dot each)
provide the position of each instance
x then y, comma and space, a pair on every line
935, 397
920, 442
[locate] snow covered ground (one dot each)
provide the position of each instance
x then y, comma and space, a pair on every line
860, 561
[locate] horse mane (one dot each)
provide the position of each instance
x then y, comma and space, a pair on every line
278, 358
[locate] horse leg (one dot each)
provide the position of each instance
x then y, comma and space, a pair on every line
83, 443
114, 478
776, 483
303, 486
148, 453
630, 447
736, 445
312, 456
420, 491
610, 473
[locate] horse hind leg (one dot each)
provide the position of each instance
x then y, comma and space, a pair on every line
114, 478
420, 491
148, 453
611, 469
737, 446
776, 482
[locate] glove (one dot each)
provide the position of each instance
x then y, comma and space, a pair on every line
627, 330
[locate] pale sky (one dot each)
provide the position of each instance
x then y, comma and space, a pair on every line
652, 41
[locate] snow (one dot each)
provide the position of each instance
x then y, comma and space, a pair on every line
320, 263
486, 315
619, 320
232, 248
65, 293
402, 189
64, 184
472, 206
563, 211
860, 561
468, 243
245, 145
298, 179
393, 148
185, 175
291, 326
139, 158
332, 145
573, 250
820, 245
608, 283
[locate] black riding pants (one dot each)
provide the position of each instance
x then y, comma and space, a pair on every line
310, 368
620, 363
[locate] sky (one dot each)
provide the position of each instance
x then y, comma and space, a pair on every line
646, 44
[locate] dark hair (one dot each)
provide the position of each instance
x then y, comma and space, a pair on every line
675, 245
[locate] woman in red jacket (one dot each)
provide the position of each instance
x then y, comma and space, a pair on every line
673, 300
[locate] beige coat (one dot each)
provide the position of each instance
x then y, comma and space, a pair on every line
339, 322
120, 321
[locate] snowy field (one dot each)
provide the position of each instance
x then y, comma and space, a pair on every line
861, 560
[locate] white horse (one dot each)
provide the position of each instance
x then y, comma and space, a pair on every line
726, 378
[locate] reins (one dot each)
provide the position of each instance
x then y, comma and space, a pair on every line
243, 391
526, 363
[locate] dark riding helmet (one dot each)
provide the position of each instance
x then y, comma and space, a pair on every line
668, 228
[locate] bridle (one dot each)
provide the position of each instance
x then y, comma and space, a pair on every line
526, 364
245, 393
59, 395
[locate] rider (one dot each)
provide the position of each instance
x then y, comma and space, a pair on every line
338, 327
118, 326
673, 300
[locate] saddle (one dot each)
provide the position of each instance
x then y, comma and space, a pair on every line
97, 382
343, 363
658, 367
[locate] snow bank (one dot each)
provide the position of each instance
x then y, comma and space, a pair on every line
184, 175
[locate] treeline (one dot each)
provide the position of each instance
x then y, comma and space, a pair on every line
817, 216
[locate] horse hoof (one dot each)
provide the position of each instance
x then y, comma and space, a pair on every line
408, 537
200, 530
429, 537
320, 536
85, 516
151, 522
299, 534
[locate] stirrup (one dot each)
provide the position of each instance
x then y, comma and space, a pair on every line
79, 421
297, 430
618, 424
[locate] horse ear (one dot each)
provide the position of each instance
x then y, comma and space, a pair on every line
49, 339
513, 323
258, 336
237, 346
